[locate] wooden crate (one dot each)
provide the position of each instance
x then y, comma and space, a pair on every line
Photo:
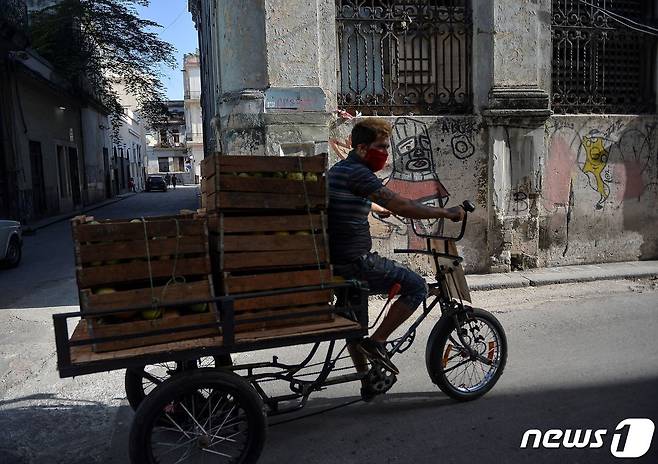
161, 262
260, 253
246, 182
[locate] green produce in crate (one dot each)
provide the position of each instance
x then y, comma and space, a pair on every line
150, 314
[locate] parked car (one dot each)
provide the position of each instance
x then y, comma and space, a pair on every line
156, 183
11, 243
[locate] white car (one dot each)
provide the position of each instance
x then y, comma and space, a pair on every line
11, 243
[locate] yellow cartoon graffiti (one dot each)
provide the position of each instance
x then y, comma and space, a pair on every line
596, 160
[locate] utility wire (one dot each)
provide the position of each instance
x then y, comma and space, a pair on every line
624, 21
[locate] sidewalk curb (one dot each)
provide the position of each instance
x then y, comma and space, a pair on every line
31, 229
563, 275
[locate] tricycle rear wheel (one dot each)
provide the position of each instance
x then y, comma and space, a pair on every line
140, 381
203, 415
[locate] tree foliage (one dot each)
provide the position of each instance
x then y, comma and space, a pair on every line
98, 43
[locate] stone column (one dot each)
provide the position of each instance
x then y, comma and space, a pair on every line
517, 110
277, 84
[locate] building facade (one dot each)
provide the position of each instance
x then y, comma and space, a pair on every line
193, 116
543, 112
167, 151
54, 144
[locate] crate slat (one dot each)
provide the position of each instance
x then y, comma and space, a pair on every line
245, 224
264, 259
255, 163
229, 183
110, 232
287, 299
171, 319
238, 243
137, 249
143, 296
290, 322
113, 274
208, 166
273, 281
250, 200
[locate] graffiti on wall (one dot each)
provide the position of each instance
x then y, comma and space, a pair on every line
413, 175
616, 162
461, 134
595, 163
598, 167
418, 147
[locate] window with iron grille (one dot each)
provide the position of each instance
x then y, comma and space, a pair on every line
599, 64
404, 56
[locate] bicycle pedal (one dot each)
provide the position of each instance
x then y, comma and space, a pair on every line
381, 379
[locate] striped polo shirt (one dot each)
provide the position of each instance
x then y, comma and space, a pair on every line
350, 183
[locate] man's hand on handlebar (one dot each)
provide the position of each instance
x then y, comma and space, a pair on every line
381, 213
456, 213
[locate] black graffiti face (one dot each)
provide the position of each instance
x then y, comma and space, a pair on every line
412, 150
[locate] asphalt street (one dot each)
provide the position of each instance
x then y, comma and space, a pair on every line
581, 356
45, 419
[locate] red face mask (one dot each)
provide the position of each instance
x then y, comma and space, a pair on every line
375, 159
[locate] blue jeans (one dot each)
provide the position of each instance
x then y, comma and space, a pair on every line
382, 273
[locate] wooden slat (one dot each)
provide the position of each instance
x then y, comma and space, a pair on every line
239, 200
137, 249
170, 320
226, 183
258, 259
116, 231
339, 324
287, 322
251, 163
83, 354
288, 299
266, 223
208, 166
273, 242
171, 294
240, 284
111, 274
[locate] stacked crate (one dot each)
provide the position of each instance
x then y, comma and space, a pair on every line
267, 220
158, 262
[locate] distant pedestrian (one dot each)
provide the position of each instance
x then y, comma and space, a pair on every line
174, 181
168, 179
131, 184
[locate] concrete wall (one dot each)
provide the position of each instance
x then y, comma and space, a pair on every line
52, 120
424, 150
549, 189
600, 190
96, 130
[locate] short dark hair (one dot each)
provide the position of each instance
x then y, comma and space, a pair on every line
368, 130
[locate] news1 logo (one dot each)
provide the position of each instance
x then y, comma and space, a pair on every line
631, 438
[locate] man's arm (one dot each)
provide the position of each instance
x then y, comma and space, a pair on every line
401, 206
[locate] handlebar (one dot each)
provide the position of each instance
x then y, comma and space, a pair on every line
468, 206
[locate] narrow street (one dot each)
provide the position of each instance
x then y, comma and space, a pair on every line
581, 356
44, 419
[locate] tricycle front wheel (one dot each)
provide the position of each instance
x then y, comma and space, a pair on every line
202, 415
462, 374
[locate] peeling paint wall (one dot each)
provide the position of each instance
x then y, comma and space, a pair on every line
600, 193
436, 160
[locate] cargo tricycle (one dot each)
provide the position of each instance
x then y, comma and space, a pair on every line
194, 404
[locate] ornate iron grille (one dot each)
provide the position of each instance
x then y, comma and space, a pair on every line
404, 56
600, 65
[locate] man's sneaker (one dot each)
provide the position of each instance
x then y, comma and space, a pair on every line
376, 353
368, 393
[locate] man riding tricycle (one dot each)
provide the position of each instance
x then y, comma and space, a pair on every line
194, 404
